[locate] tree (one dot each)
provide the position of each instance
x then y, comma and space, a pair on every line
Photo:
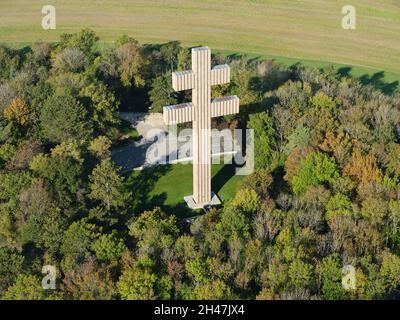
38, 219
76, 243
162, 94
300, 138
139, 282
234, 223
7, 152
198, 271
100, 147
170, 52
363, 168
89, 281
64, 118
184, 59
10, 62
375, 210
70, 60
244, 82
17, 111
24, 155
214, 290
11, 265
84, 40
247, 200
103, 106
260, 182
132, 64
338, 204
264, 140
295, 96
45, 231
392, 160
321, 116
339, 145
11, 185
106, 186
390, 271
315, 169
394, 223
42, 53
62, 171
266, 294
154, 231
331, 276
300, 274
276, 276
108, 247
26, 287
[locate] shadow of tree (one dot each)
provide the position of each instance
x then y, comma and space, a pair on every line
376, 80
344, 72
141, 184
279, 184
181, 210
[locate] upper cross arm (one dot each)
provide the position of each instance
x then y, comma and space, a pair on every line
220, 74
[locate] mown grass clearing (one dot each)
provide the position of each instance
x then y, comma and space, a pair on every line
307, 31
165, 186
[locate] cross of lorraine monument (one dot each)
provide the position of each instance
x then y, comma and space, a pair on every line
199, 112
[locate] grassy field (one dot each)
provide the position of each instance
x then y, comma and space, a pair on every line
165, 186
287, 30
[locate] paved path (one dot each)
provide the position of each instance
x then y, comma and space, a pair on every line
144, 122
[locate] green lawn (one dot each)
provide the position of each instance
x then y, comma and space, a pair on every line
308, 31
165, 186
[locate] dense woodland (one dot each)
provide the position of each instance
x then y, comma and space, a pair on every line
326, 191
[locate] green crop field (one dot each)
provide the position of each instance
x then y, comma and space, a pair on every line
287, 30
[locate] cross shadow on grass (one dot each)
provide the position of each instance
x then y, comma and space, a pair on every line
142, 184
222, 177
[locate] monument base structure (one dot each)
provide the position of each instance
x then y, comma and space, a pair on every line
215, 201
200, 112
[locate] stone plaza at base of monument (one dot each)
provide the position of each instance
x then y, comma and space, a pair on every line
215, 201
199, 112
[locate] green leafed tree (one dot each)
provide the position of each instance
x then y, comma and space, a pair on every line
162, 94
103, 106
106, 185
214, 290
63, 118
140, 282
85, 40
11, 265
300, 274
264, 140
26, 287
331, 276
76, 244
317, 168
108, 247
154, 231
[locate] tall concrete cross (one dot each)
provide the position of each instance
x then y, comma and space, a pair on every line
199, 112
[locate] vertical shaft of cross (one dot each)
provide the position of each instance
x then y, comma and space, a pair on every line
200, 111
201, 65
